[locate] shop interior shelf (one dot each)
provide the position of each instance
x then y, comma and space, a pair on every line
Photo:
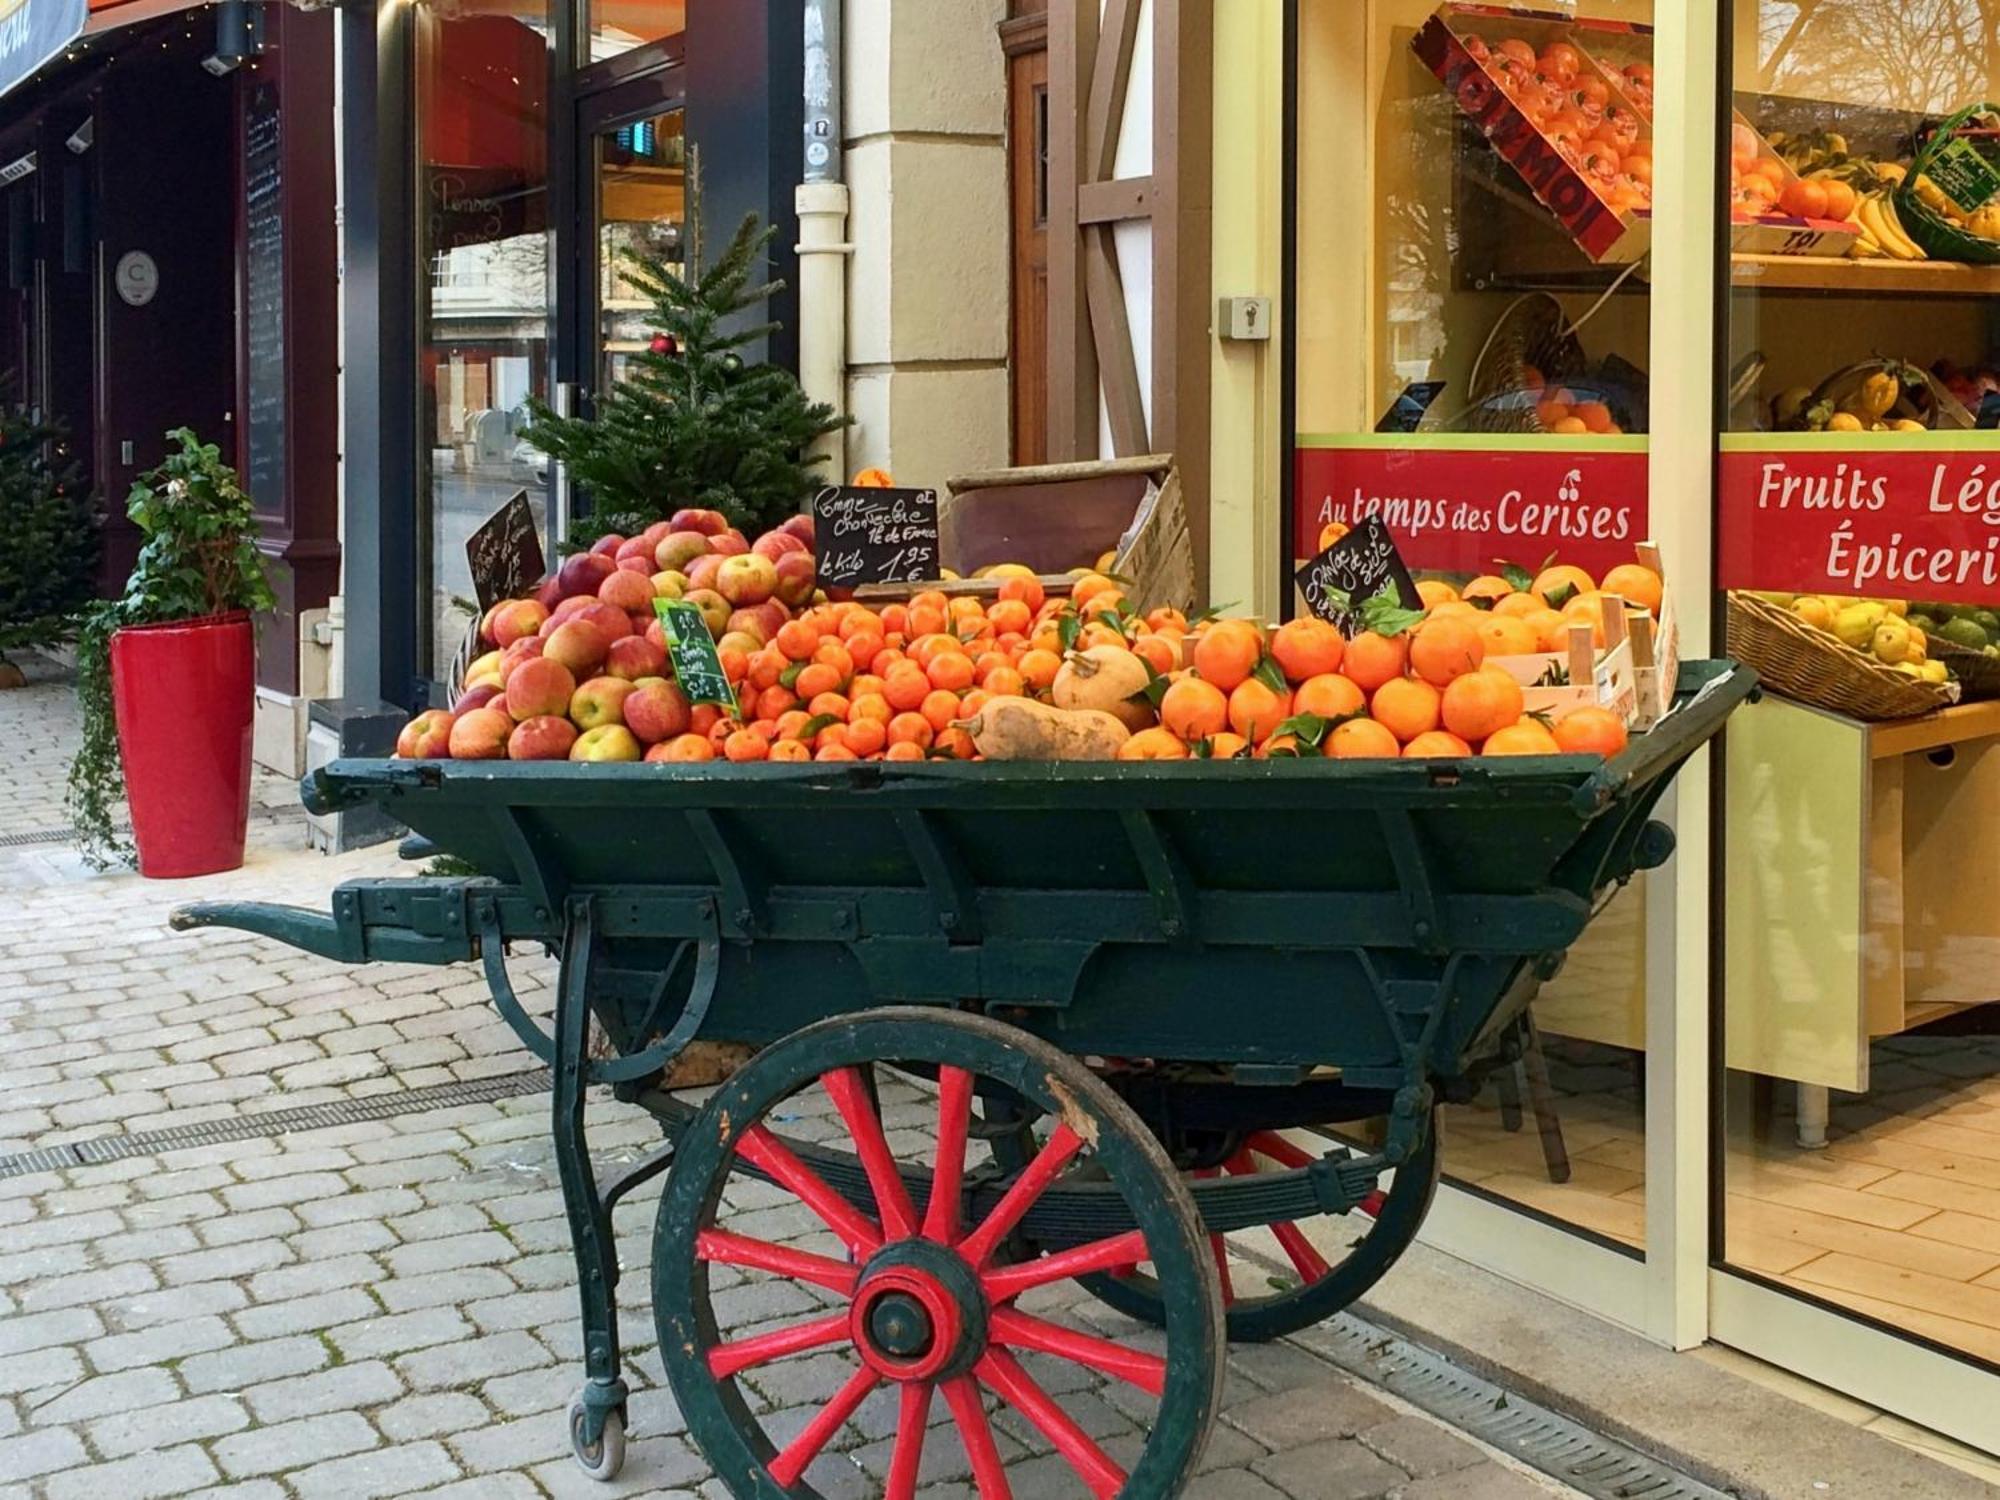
1871, 278
1951, 726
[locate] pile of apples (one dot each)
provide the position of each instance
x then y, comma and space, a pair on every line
1599, 132
580, 672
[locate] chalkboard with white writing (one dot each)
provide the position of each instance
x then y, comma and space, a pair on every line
868, 535
505, 553
1352, 571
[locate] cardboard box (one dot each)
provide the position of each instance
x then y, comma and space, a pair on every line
1783, 233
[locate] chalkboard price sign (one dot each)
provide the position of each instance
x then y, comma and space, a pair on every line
875, 535
697, 666
505, 553
1354, 570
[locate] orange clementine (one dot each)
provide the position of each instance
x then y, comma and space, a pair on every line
1563, 578
951, 671
1446, 648
867, 736
816, 678
1194, 709
1038, 668
829, 705
1523, 738
834, 752
1153, 744
1636, 583
689, 747
1307, 648
1438, 742
1281, 746
911, 729
1227, 745
1481, 703
1004, 682
1591, 731
1166, 617
1508, 635
1406, 707
1227, 652
1435, 591
1329, 695
940, 708
1588, 609
1372, 659
1518, 604
904, 750
1009, 615
797, 639
1255, 710
1089, 587
957, 743
792, 750
1330, 533
774, 701
1026, 591
1361, 739
905, 687
873, 479
1551, 629
1160, 653
746, 744
1490, 587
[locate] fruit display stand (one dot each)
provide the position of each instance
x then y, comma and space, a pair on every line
1038, 949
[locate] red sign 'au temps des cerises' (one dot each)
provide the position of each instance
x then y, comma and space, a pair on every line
1907, 523
1473, 510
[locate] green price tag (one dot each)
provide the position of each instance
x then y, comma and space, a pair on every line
697, 666
1964, 176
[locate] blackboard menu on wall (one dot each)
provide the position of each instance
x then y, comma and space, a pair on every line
264, 300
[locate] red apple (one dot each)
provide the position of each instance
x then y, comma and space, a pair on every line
634, 657
632, 547
643, 566
800, 526
578, 645
656, 633
549, 593
701, 573
740, 640
668, 584
627, 591
709, 522
746, 579
729, 543
538, 688
527, 648
748, 622
656, 710
605, 742
477, 696
797, 573
486, 666
427, 736
544, 737
515, 618
607, 545
582, 573
481, 735
775, 544
599, 701
611, 621
770, 613
714, 609
679, 548
640, 619
658, 532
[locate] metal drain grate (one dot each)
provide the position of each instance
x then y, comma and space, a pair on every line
275, 1122
1564, 1449
33, 837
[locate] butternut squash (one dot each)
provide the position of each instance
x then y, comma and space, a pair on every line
1108, 679
1022, 729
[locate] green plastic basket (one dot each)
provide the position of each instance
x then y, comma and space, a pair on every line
1940, 238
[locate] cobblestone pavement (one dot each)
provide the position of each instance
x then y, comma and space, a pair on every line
388, 1308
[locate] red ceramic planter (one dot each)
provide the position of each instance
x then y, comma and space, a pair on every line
184, 694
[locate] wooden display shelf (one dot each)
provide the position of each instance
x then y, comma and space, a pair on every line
1949, 726
1837, 274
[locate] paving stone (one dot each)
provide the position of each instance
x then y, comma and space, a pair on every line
470, 1361
87, 1287
234, 1228
42, 1370
37, 1265
1340, 1469
156, 1345
291, 1445
515, 1444
313, 1277
40, 1452
398, 1333
360, 1237
435, 1414
256, 1489
490, 1487
455, 1252
190, 1419
1489, 1481
243, 1366
280, 1191
524, 1309
345, 1387
225, 1262
656, 1469
145, 1476
365, 1207
1232, 1484
305, 1314
1421, 1447
406, 1293
438, 1223
125, 1391
366, 1476
145, 1244
26, 1332
1302, 1415
172, 1304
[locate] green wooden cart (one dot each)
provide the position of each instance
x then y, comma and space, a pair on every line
1139, 1007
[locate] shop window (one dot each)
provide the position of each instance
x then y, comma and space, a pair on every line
641, 211
1472, 311
618, 26
484, 310
1857, 524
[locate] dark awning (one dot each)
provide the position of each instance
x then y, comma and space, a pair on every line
34, 31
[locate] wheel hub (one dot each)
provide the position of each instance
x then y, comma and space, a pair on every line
918, 1313
899, 1326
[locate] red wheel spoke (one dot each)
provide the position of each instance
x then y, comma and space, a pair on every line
1017, 1387
1221, 1252
1311, 1264
766, 1152
1283, 1152
725, 1360
908, 1456
1242, 1164
864, 1125
1119, 1253
725, 1248
1373, 1203
1020, 1331
988, 1473
1014, 1205
803, 1449
954, 1121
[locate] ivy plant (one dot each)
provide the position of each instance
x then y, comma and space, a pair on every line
199, 561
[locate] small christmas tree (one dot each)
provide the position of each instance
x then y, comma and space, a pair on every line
48, 539
695, 424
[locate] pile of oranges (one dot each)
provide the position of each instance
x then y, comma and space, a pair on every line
846, 681
1585, 113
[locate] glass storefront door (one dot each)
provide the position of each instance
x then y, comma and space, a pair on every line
640, 176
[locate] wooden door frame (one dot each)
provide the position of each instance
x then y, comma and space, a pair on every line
1090, 68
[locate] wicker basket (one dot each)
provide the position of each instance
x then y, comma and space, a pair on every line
1531, 332
1978, 674
1939, 410
1793, 658
1940, 238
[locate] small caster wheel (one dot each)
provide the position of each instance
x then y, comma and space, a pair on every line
604, 1458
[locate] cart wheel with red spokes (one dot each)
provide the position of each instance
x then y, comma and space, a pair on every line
921, 1296
1330, 1267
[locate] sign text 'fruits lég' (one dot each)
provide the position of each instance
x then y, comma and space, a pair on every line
1354, 570
873, 535
697, 665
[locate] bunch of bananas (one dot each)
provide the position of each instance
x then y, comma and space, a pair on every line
1882, 235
